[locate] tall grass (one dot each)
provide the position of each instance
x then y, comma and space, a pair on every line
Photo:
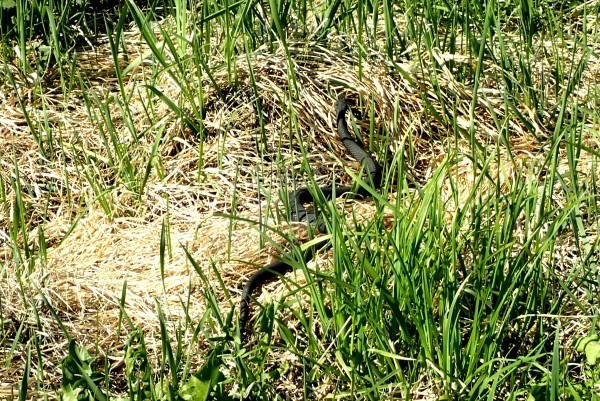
445, 293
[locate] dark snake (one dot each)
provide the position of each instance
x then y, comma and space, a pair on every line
299, 213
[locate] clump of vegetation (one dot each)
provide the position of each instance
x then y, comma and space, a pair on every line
147, 152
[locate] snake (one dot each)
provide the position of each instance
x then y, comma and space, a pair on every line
299, 213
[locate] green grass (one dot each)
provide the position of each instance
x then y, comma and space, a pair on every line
474, 280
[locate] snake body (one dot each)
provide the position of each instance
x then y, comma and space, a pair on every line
299, 213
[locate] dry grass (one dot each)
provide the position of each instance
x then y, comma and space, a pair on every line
84, 273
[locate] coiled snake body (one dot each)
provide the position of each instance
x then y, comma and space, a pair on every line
299, 213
